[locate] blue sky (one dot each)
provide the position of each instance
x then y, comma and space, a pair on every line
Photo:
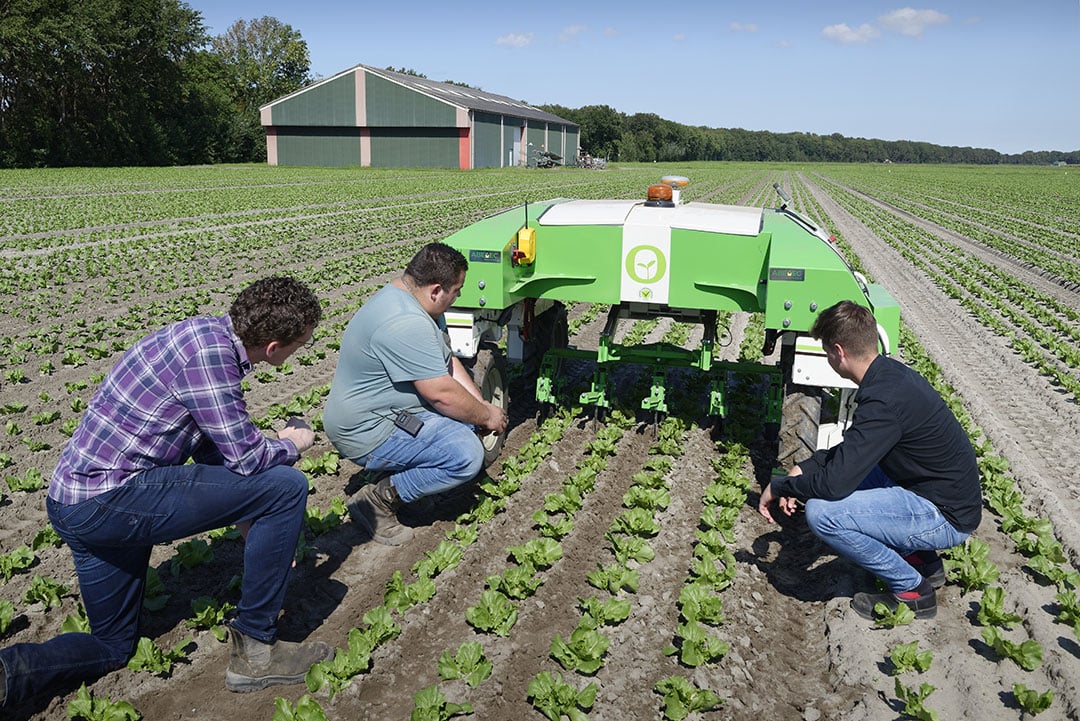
1001, 74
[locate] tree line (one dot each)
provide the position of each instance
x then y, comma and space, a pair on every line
138, 82
646, 137
141, 82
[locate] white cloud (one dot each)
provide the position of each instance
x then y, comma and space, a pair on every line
912, 22
679, 37
570, 34
744, 27
611, 32
515, 40
844, 35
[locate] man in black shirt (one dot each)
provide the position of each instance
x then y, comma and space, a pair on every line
904, 482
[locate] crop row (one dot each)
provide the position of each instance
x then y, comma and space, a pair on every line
1024, 217
1041, 328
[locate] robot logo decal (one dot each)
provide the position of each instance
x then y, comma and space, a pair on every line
646, 264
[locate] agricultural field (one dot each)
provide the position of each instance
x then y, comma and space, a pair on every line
603, 570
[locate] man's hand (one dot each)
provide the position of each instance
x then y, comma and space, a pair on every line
497, 419
299, 433
787, 503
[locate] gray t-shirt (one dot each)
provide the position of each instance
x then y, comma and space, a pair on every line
388, 344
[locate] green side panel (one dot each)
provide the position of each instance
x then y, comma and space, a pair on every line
338, 147
887, 314
566, 268
717, 271
333, 103
414, 147
574, 264
487, 141
804, 274
391, 105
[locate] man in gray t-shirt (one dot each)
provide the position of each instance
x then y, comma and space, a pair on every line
395, 357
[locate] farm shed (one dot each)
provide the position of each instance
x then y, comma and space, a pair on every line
383, 119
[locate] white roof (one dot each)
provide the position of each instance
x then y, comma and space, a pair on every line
730, 219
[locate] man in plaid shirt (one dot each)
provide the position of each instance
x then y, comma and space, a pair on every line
124, 483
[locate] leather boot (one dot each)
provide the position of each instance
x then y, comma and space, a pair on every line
375, 509
254, 665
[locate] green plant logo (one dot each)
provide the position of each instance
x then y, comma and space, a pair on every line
646, 264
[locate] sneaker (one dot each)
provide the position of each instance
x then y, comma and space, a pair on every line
929, 564
254, 665
375, 509
922, 600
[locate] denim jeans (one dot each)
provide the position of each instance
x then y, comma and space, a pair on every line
443, 455
880, 523
111, 536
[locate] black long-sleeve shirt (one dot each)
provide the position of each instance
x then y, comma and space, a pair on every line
902, 425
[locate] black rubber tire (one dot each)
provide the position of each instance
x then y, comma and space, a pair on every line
800, 417
489, 375
799, 425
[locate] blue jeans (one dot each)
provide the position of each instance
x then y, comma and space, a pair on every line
443, 455
111, 536
880, 523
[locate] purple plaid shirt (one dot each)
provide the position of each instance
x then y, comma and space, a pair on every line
172, 396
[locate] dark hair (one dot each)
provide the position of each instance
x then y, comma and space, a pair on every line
849, 325
276, 308
437, 264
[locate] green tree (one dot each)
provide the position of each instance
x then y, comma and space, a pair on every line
263, 60
601, 130
94, 82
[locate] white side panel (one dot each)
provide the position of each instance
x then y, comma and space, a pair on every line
646, 253
811, 367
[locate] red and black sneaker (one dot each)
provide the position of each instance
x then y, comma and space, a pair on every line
929, 564
922, 600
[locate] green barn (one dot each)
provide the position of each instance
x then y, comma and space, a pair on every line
376, 118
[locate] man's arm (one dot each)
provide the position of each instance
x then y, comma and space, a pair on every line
209, 387
449, 397
462, 376
873, 433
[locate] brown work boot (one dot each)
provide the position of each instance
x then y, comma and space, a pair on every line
254, 665
374, 508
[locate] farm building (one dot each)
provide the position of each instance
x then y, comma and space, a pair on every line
379, 118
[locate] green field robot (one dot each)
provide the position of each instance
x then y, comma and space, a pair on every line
659, 257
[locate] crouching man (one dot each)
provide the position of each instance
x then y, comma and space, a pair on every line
395, 357
123, 484
902, 485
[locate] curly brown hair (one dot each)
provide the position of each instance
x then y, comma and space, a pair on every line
278, 308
